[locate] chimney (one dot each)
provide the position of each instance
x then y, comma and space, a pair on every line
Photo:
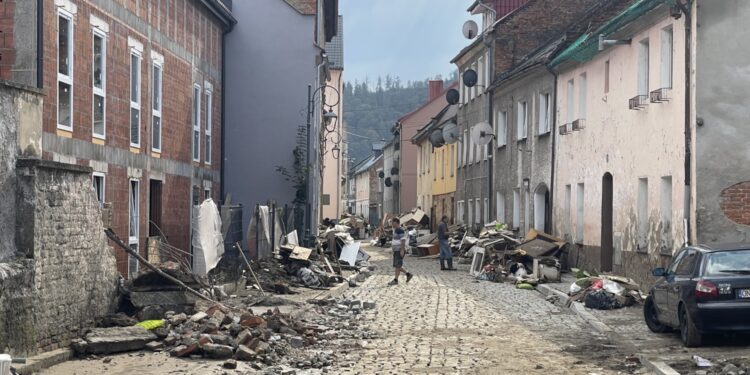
436, 88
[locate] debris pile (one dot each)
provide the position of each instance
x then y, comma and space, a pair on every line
604, 292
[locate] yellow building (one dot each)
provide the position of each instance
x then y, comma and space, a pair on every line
436, 169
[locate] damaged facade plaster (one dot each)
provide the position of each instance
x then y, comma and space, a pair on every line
58, 242
642, 152
722, 87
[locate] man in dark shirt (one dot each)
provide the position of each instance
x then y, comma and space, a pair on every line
398, 247
446, 254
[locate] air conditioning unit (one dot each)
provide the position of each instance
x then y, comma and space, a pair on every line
579, 124
564, 129
661, 95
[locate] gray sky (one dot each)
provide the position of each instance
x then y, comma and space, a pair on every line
412, 39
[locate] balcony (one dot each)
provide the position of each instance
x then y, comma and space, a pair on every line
579, 124
661, 95
637, 102
564, 129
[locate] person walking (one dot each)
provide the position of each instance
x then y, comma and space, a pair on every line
398, 247
446, 254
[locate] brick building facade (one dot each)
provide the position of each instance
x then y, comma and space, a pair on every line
134, 91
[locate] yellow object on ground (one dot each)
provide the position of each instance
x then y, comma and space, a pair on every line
151, 324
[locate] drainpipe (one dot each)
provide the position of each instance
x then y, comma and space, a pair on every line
688, 102
553, 121
222, 183
39, 44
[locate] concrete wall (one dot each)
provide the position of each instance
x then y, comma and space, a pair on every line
270, 62
630, 144
523, 159
722, 87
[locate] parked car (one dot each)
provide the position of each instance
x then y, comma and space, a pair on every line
705, 290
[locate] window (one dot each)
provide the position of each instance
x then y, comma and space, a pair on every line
467, 147
100, 85
156, 128
502, 128
207, 194
567, 221
526, 212
500, 207
442, 163
666, 57
480, 75
460, 153
686, 266
477, 151
606, 77
472, 148
470, 206
453, 156
209, 123
642, 215
487, 78
516, 208
460, 211
135, 99
570, 110
643, 51
545, 111
65, 71
579, 213
486, 210
474, 88
666, 214
462, 88
522, 124
582, 96
134, 218
98, 182
196, 123
478, 212
485, 151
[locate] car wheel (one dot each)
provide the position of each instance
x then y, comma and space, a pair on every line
652, 321
688, 333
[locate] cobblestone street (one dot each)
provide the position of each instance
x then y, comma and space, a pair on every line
445, 322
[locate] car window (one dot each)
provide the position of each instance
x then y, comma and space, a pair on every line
722, 262
687, 263
673, 267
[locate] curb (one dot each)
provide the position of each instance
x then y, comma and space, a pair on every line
659, 367
577, 308
44, 360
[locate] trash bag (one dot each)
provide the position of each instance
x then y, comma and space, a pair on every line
613, 287
574, 288
309, 277
601, 300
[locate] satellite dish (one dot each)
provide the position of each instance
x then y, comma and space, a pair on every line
381, 174
388, 182
436, 138
470, 29
394, 171
452, 96
470, 78
481, 133
450, 133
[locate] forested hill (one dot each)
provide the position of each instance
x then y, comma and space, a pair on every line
371, 110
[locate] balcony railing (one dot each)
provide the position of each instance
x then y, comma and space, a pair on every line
564, 129
579, 124
663, 94
637, 102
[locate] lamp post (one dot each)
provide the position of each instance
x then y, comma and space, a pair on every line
328, 117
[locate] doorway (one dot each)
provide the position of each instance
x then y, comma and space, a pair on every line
607, 222
542, 217
154, 208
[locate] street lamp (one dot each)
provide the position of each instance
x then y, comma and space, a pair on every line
328, 117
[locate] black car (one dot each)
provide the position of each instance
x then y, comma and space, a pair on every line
705, 290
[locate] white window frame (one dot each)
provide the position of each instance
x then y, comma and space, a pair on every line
667, 57
134, 204
478, 212
196, 151
516, 208
500, 207
486, 210
102, 92
501, 131
103, 177
474, 88
460, 208
545, 112
453, 159
580, 212
157, 63
522, 122
480, 75
570, 101
644, 51
65, 78
208, 149
135, 105
582, 96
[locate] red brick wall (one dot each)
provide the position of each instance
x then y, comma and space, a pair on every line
7, 51
175, 19
735, 203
